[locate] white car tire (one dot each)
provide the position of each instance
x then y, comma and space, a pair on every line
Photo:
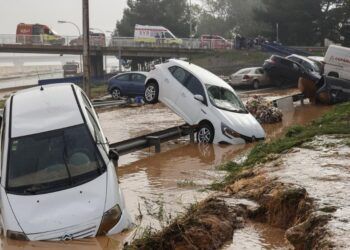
205, 133
151, 93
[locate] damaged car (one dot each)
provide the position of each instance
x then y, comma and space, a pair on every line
58, 180
203, 100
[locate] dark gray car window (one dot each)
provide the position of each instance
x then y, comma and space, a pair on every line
124, 77
195, 86
138, 78
179, 74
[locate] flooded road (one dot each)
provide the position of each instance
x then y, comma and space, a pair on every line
158, 187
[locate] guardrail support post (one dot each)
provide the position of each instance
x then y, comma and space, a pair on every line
154, 141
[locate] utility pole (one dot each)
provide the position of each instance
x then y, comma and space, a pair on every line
86, 48
190, 12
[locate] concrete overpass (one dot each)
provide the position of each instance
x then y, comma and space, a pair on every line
124, 48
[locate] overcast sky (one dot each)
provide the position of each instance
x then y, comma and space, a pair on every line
103, 14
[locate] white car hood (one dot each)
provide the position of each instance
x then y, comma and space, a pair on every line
244, 124
38, 214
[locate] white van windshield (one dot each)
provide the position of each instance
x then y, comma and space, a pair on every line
224, 98
52, 161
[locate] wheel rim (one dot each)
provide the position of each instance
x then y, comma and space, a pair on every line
204, 135
150, 93
116, 94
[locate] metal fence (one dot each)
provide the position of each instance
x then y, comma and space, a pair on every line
49, 40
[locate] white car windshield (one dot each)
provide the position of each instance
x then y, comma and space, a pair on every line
224, 98
52, 161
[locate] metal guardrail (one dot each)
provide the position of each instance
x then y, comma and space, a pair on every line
114, 42
153, 139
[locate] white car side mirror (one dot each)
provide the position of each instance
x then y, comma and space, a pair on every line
199, 98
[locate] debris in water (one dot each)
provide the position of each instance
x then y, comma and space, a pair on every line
263, 110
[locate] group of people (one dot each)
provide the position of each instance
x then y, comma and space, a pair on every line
241, 42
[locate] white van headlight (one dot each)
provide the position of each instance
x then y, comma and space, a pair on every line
109, 220
16, 235
230, 133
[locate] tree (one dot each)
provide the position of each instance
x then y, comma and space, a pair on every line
297, 19
227, 17
171, 14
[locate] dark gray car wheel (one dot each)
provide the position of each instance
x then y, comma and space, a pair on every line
151, 93
205, 133
256, 84
116, 93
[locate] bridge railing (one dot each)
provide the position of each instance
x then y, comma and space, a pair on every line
116, 42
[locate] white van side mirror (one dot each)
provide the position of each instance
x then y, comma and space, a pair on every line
199, 98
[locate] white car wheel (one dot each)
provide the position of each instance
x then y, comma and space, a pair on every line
205, 134
151, 93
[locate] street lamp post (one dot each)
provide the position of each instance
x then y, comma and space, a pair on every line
77, 27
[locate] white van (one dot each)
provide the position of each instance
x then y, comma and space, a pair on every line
337, 62
58, 180
155, 34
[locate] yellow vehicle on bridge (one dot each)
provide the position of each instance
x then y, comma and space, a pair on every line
145, 34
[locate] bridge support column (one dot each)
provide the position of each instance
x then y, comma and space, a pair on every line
96, 65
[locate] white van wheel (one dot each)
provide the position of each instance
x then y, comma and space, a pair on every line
205, 134
151, 93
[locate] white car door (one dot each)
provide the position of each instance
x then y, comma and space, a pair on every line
191, 109
171, 85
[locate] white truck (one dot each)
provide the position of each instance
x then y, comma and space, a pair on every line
337, 62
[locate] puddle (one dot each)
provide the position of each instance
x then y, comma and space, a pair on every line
159, 186
258, 236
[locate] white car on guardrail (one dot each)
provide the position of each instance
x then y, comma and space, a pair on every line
58, 180
204, 100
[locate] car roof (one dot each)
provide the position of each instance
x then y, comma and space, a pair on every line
37, 110
250, 69
301, 57
203, 75
135, 72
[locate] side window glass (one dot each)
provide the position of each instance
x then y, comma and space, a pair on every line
179, 74
138, 78
86, 100
3, 128
95, 126
123, 77
167, 35
195, 86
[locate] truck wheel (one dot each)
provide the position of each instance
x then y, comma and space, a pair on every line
151, 93
205, 133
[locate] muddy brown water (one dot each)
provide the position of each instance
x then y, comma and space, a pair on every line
157, 187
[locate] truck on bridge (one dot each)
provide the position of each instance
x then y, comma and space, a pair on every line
37, 34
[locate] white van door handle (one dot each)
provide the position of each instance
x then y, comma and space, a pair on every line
183, 94
166, 80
